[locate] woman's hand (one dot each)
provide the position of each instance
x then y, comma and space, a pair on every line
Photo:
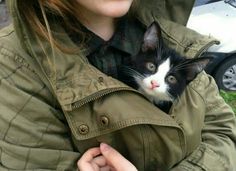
92, 160
104, 158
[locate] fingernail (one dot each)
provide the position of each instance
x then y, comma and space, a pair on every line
104, 147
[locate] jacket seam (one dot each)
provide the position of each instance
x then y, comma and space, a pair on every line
186, 167
203, 99
144, 149
18, 59
6, 34
215, 105
182, 145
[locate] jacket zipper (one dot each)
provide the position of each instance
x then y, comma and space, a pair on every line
100, 94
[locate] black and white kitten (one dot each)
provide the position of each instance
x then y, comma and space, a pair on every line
159, 72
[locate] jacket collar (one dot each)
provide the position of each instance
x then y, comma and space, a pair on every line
122, 39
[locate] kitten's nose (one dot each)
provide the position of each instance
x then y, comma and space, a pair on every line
154, 84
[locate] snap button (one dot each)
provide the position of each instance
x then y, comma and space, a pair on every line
100, 79
104, 120
83, 129
186, 49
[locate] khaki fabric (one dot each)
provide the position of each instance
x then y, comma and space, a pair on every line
50, 115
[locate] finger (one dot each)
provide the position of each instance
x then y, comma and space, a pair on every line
89, 155
105, 168
115, 159
100, 165
100, 161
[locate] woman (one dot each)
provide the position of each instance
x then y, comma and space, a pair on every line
60, 96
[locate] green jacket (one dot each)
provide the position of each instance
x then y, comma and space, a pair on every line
54, 106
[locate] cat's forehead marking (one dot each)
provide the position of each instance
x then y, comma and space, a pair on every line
164, 67
159, 76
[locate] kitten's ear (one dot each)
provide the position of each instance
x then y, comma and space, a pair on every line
152, 37
195, 66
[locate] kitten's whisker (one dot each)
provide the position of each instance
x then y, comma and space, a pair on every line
133, 73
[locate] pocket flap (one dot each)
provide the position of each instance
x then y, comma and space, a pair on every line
113, 112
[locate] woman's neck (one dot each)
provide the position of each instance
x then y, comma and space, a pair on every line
102, 26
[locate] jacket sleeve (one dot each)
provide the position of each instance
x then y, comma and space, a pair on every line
217, 151
33, 133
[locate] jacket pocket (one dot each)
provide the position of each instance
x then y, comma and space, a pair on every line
204, 151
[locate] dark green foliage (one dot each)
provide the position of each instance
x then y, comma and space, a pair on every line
230, 98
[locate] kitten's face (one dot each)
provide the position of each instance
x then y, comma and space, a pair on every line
154, 81
160, 72
160, 78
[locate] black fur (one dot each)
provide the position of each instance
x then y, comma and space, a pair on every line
154, 51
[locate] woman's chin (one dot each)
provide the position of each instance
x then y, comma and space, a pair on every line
117, 9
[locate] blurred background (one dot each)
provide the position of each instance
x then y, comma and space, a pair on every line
4, 17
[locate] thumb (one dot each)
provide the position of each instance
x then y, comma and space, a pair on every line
115, 159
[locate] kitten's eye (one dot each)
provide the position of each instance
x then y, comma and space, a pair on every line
171, 79
150, 66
